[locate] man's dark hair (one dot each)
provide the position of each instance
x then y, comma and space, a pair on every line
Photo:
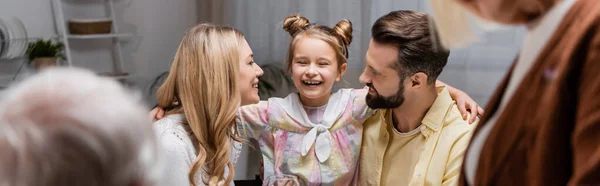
418, 49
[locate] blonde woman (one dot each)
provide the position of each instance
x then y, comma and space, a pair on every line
542, 125
213, 73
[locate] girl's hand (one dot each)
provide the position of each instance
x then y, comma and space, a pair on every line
156, 114
467, 106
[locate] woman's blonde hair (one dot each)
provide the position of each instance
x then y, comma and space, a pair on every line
339, 37
203, 85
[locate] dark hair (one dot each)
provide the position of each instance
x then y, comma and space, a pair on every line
417, 49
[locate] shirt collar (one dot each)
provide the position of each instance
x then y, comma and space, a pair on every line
434, 118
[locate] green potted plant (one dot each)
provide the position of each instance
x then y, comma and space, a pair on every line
44, 53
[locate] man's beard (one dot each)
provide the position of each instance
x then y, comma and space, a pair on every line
381, 102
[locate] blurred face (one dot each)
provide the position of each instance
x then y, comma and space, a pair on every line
314, 70
504, 11
249, 73
386, 89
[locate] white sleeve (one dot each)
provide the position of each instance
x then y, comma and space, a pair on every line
178, 158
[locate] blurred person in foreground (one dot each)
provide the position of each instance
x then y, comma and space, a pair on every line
69, 127
542, 125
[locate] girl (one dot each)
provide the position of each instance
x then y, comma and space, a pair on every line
288, 128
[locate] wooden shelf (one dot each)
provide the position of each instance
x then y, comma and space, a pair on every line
61, 22
100, 36
115, 75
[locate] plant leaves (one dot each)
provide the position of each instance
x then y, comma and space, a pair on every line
45, 48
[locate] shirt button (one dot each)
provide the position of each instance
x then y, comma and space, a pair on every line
418, 174
423, 128
422, 148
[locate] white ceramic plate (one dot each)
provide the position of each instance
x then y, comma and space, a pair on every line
1, 42
3, 39
20, 45
17, 37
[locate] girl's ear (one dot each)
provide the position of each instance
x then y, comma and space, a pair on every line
341, 72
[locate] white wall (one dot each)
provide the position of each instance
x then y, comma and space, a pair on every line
36, 14
161, 25
158, 26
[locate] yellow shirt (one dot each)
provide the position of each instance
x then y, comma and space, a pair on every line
405, 145
443, 131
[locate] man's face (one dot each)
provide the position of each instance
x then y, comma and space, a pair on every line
386, 88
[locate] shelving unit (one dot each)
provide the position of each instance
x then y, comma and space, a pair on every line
117, 37
101, 36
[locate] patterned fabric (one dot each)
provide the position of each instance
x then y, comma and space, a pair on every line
332, 133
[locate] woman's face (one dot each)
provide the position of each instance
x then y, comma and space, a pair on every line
505, 11
249, 73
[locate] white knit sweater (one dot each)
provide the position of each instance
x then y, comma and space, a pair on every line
179, 145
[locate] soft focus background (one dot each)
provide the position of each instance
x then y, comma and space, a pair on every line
157, 27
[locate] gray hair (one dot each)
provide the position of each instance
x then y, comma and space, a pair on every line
71, 127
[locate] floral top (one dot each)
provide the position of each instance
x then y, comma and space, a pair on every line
319, 145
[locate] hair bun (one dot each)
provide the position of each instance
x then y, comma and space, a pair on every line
294, 24
344, 30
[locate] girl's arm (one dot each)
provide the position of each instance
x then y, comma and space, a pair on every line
252, 119
360, 110
464, 102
